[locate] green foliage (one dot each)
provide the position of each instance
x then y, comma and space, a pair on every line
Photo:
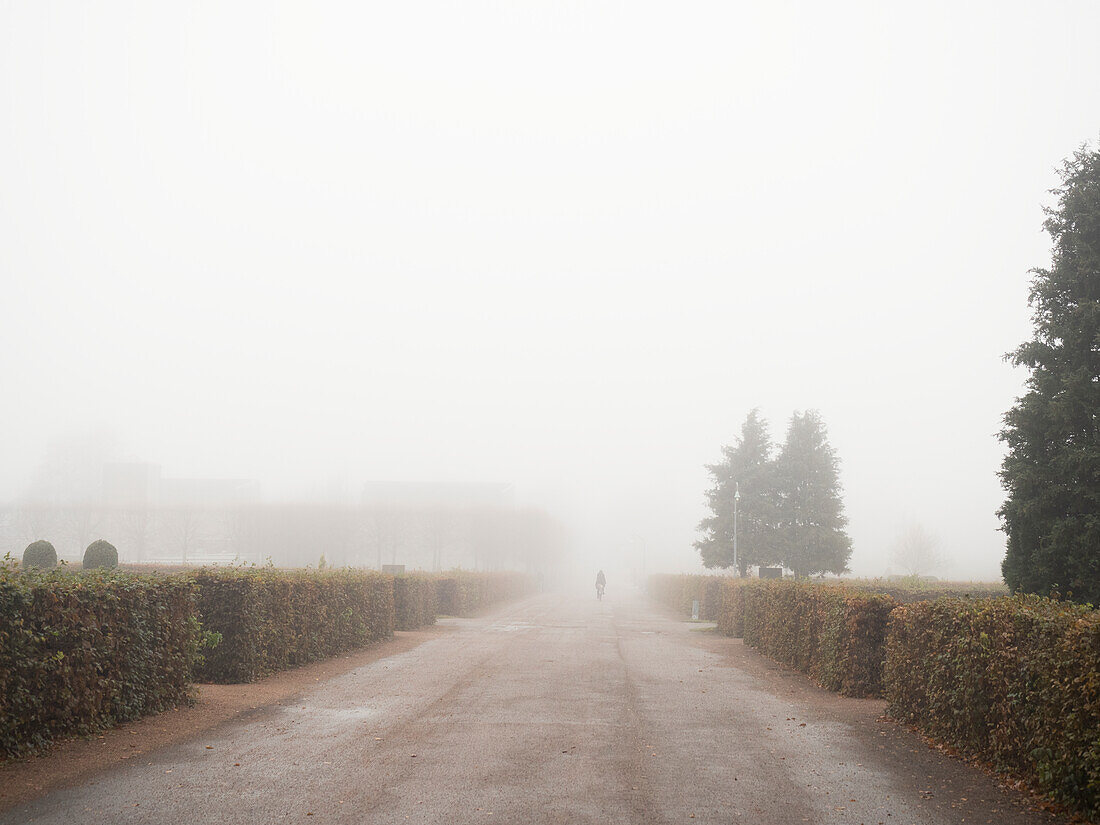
746, 468
1052, 470
99, 554
40, 554
811, 536
790, 511
834, 634
271, 620
1013, 681
462, 593
79, 653
414, 601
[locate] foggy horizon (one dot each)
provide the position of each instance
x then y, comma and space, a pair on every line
565, 248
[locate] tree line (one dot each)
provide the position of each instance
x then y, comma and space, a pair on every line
789, 511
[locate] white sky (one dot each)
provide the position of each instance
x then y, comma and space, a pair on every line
567, 245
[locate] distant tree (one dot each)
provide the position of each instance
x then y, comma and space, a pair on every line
811, 537
747, 467
1052, 470
182, 527
916, 551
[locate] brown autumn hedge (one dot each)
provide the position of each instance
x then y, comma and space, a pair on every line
80, 652
462, 593
271, 620
1012, 681
731, 607
834, 634
414, 601
678, 591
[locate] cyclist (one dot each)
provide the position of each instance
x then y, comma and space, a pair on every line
601, 583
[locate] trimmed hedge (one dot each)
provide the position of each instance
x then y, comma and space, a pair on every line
40, 554
463, 594
834, 634
731, 607
271, 620
1012, 681
678, 591
100, 553
79, 653
906, 591
414, 601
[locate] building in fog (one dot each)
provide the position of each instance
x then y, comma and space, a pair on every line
457, 495
149, 517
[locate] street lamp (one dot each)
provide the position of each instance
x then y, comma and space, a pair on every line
736, 498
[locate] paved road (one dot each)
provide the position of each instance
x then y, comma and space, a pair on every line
551, 710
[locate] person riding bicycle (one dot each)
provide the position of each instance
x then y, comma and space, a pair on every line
601, 583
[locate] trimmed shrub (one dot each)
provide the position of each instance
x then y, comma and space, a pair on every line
731, 607
99, 554
271, 620
462, 593
40, 554
834, 634
678, 591
414, 601
82, 653
1012, 681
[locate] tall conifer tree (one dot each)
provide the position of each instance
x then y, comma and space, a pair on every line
811, 536
1052, 470
747, 467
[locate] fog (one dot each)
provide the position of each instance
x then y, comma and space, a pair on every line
560, 247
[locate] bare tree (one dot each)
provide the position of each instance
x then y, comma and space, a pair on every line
916, 551
182, 527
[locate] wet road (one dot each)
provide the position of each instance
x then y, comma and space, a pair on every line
550, 710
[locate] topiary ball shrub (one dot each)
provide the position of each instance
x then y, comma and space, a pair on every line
40, 554
100, 553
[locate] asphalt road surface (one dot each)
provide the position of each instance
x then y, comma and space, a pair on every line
550, 710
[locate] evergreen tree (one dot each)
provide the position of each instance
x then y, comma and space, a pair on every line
811, 537
746, 467
1052, 470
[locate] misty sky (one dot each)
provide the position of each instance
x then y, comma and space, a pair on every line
566, 245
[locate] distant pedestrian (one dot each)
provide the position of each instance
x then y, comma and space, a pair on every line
601, 584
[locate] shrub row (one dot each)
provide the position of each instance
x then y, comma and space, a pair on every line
82, 653
731, 607
1012, 681
270, 619
677, 592
463, 594
414, 601
834, 634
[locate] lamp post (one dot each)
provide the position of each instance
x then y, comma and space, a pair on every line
736, 498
